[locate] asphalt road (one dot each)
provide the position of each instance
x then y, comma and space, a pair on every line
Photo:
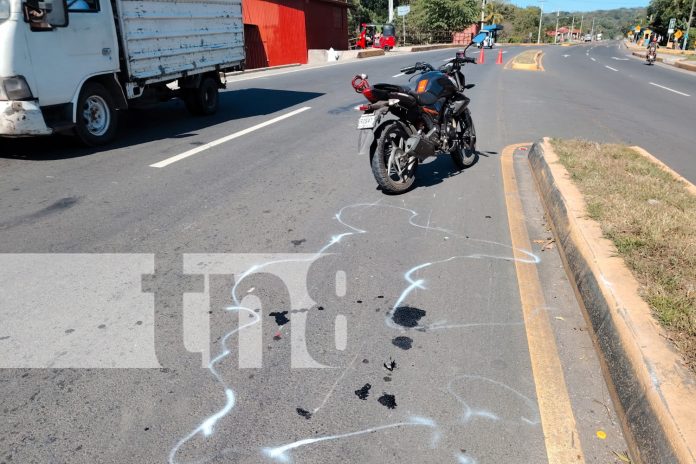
109, 264
601, 92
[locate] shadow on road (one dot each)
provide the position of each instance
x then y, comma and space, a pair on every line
441, 168
168, 120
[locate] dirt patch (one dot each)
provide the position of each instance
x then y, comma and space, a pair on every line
650, 217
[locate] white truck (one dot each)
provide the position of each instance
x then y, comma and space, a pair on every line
74, 64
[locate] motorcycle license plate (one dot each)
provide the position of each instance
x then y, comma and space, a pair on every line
366, 121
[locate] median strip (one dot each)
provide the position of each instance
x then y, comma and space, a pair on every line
624, 223
529, 60
222, 140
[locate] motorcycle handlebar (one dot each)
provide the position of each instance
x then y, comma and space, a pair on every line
417, 67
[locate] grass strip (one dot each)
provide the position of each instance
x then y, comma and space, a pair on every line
651, 219
526, 57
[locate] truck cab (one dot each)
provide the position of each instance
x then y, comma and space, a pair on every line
73, 64
49, 51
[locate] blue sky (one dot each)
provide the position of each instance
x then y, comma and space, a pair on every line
582, 5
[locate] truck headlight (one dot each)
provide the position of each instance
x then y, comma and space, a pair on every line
14, 88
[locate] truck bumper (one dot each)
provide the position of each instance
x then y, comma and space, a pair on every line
19, 118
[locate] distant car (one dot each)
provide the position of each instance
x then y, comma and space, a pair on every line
588, 38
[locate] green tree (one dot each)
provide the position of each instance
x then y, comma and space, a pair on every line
525, 23
444, 15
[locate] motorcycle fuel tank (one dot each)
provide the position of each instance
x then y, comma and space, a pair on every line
432, 86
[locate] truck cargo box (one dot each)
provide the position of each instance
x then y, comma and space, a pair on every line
164, 39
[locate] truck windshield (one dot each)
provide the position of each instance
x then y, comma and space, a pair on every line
4, 9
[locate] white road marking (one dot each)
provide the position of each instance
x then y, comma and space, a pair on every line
399, 75
593, 59
609, 67
619, 59
566, 56
222, 140
671, 90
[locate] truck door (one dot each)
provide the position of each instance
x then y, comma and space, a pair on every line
65, 57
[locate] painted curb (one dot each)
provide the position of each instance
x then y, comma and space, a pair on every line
654, 392
528, 67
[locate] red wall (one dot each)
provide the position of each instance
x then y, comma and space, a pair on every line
281, 25
327, 24
280, 32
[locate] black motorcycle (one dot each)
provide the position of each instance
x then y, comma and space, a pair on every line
402, 126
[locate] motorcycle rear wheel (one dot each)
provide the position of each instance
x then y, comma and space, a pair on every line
464, 155
393, 171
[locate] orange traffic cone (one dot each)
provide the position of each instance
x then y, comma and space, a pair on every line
500, 57
482, 57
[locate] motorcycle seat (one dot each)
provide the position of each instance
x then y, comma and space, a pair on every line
394, 88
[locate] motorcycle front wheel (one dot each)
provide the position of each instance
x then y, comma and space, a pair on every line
393, 170
464, 155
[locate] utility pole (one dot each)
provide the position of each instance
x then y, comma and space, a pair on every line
688, 25
582, 19
592, 33
483, 12
555, 37
541, 17
391, 11
572, 29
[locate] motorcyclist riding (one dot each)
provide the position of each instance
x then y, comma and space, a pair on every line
652, 49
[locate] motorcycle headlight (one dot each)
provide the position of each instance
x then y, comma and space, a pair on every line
14, 88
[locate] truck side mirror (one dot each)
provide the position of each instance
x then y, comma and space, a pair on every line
46, 15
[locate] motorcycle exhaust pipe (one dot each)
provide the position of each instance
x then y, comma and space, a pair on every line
420, 147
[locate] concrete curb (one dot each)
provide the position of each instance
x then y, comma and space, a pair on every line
685, 65
528, 67
425, 48
653, 390
644, 55
268, 68
369, 53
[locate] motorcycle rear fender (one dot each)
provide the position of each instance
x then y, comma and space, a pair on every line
367, 141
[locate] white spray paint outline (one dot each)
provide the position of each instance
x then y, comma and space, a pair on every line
207, 427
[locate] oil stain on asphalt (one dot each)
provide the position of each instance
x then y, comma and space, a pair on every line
280, 317
363, 392
407, 316
405, 343
387, 400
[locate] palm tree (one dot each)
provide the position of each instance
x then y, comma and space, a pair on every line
494, 12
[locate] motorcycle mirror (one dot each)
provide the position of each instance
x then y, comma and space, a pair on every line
479, 38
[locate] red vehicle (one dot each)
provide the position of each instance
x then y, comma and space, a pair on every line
377, 36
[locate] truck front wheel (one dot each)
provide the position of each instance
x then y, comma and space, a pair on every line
203, 100
97, 117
